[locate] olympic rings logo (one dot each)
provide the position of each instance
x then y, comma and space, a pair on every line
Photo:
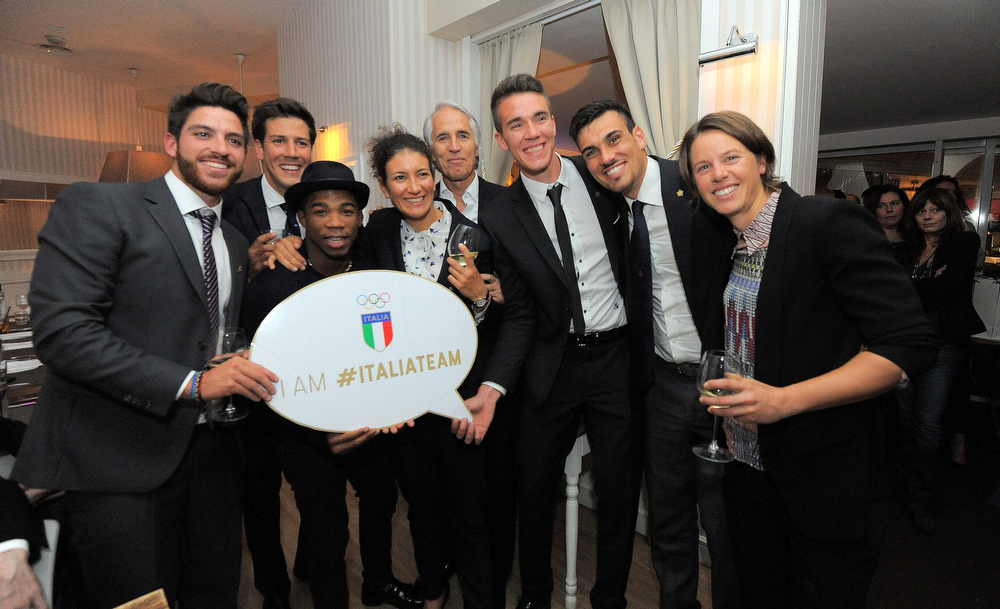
373, 301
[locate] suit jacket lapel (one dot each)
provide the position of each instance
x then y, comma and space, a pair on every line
678, 212
258, 207
237, 267
608, 215
769, 298
168, 217
526, 214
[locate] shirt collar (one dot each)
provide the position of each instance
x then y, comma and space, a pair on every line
539, 190
650, 192
186, 198
271, 196
471, 196
758, 233
444, 222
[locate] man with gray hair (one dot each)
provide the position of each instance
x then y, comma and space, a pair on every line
453, 135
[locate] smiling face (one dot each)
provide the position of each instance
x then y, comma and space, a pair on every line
931, 219
209, 155
410, 187
454, 144
285, 151
614, 155
728, 177
528, 132
889, 210
332, 220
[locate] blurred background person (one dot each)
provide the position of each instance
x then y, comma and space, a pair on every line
889, 204
820, 323
942, 268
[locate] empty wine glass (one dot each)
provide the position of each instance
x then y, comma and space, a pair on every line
465, 235
715, 365
21, 318
234, 342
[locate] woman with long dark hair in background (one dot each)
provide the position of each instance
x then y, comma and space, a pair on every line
889, 204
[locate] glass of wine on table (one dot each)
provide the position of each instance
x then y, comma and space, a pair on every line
234, 342
715, 365
464, 235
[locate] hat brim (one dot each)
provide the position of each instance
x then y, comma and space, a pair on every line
296, 195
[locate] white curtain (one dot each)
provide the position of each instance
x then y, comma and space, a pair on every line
656, 44
509, 53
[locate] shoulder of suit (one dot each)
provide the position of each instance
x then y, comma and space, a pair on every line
383, 219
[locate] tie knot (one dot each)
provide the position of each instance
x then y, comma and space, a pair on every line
555, 194
637, 207
207, 217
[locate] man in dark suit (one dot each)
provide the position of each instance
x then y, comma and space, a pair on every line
284, 133
453, 135
673, 319
21, 534
132, 287
558, 245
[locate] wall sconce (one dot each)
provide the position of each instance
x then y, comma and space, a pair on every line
736, 46
322, 129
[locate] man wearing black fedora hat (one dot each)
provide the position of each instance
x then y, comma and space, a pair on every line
328, 203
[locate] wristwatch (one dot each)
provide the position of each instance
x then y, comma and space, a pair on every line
479, 304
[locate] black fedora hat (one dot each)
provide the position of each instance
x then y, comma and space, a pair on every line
325, 175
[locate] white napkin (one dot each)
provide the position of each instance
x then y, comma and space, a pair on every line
16, 346
23, 334
22, 365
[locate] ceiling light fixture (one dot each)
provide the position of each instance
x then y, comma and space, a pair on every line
736, 46
134, 165
55, 45
239, 59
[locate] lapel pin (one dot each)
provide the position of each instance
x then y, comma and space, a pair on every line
239, 269
680, 193
597, 193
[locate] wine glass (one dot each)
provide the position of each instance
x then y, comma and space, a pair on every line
278, 235
715, 365
21, 318
467, 235
234, 341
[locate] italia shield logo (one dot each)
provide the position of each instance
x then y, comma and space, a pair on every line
377, 328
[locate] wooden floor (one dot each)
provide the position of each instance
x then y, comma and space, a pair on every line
642, 589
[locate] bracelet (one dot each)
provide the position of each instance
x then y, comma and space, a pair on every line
194, 385
197, 386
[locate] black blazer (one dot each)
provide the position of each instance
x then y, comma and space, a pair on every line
379, 247
243, 206
18, 521
120, 317
947, 298
831, 287
536, 294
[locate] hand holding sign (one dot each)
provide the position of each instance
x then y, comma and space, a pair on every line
367, 349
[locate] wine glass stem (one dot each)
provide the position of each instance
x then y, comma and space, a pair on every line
714, 445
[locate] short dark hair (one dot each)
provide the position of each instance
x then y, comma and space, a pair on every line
207, 94
390, 141
738, 127
591, 112
512, 85
942, 199
871, 197
937, 180
282, 107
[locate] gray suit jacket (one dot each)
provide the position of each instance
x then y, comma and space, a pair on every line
120, 318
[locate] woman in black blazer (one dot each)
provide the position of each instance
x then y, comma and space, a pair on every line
943, 270
441, 477
822, 319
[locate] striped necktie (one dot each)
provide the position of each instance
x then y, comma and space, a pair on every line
208, 219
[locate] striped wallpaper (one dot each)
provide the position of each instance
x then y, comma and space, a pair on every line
358, 64
780, 87
57, 126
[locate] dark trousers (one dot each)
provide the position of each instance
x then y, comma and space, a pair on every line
500, 447
262, 501
681, 486
592, 383
442, 479
319, 479
922, 411
778, 565
183, 537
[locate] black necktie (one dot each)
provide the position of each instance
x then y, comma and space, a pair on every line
640, 314
566, 250
291, 222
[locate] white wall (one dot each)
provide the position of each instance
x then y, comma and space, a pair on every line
365, 63
57, 126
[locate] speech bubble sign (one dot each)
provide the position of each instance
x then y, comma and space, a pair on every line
367, 349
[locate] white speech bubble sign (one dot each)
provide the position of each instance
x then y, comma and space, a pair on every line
367, 349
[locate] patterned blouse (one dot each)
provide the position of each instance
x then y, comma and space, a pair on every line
424, 252
740, 301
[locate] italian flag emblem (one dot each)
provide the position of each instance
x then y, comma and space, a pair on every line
377, 329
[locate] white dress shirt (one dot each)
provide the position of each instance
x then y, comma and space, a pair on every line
603, 306
188, 201
276, 216
470, 198
675, 335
